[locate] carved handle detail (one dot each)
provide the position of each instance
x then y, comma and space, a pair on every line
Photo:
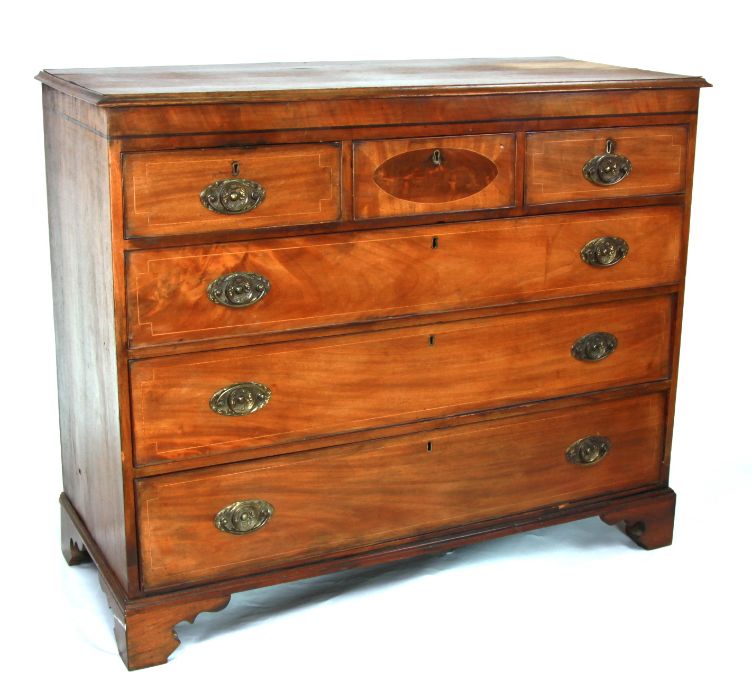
234, 196
607, 168
238, 289
240, 399
605, 251
594, 346
588, 450
242, 517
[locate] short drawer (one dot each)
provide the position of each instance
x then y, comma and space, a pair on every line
215, 403
202, 292
229, 189
566, 166
401, 177
200, 525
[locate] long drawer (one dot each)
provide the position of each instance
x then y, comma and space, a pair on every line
200, 292
215, 403
238, 519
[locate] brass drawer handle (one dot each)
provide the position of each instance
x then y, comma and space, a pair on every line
605, 251
238, 289
240, 399
594, 346
233, 196
588, 450
607, 168
242, 517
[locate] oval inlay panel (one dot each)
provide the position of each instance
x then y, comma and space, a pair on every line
416, 177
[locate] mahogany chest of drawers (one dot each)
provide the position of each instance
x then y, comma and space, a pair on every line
320, 316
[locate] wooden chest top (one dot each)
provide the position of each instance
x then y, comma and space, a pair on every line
156, 101
165, 85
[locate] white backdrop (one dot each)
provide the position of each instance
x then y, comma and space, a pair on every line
572, 611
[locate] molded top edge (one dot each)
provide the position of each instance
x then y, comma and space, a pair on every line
265, 82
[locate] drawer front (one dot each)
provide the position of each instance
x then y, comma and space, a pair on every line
401, 177
290, 391
230, 189
202, 292
647, 160
329, 501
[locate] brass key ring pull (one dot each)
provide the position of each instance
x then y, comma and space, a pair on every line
607, 168
234, 195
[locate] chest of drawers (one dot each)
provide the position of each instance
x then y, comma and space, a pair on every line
319, 316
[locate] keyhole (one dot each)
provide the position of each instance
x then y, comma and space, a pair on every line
235, 168
432, 340
436, 157
435, 242
429, 446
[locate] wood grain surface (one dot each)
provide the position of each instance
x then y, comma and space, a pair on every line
302, 185
417, 334
237, 117
299, 81
78, 204
332, 280
649, 523
475, 172
347, 497
555, 160
342, 384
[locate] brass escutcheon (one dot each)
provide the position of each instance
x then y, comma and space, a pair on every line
594, 346
243, 517
238, 289
588, 450
607, 168
605, 251
233, 196
240, 399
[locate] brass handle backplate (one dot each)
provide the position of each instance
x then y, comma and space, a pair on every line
233, 196
242, 517
605, 251
240, 399
238, 289
588, 450
594, 346
607, 168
